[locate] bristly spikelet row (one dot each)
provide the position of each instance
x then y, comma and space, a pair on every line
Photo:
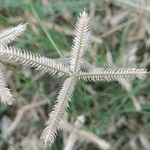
112, 74
9, 35
76, 69
30, 59
62, 103
80, 42
5, 94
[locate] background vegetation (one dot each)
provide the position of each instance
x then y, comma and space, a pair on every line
113, 111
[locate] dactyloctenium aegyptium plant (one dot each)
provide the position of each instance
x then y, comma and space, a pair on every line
73, 71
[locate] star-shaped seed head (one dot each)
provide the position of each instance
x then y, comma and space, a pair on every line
78, 69
80, 45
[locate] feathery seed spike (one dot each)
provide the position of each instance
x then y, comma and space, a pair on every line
9, 35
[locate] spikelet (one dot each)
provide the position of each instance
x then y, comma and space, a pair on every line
112, 74
9, 35
29, 59
80, 42
49, 133
5, 94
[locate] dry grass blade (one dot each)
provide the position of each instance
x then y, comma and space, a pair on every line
32, 60
11, 34
112, 74
85, 136
73, 137
21, 112
49, 133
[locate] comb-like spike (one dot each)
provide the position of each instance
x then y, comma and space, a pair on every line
9, 35
112, 74
32, 60
49, 133
5, 94
80, 42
